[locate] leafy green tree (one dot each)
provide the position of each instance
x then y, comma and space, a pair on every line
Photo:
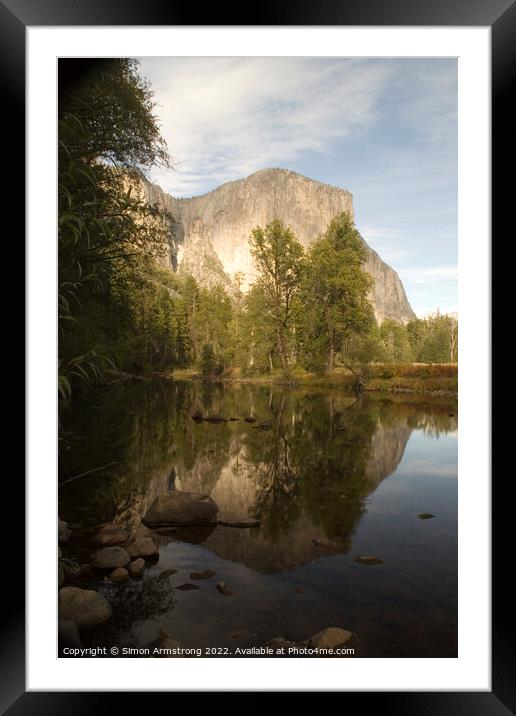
436, 348
211, 323
108, 114
434, 339
418, 331
108, 235
278, 256
335, 292
209, 363
394, 338
358, 352
257, 335
183, 355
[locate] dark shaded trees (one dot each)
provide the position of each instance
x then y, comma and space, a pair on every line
109, 236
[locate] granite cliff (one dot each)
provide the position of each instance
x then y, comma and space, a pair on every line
209, 238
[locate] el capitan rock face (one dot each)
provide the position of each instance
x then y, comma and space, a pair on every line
210, 234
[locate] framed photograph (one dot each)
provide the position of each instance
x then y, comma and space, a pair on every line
251, 412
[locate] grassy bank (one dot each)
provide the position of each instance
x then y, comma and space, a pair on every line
436, 378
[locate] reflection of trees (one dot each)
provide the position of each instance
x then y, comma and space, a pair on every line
308, 475
312, 461
332, 469
146, 430
433, 418
276, 503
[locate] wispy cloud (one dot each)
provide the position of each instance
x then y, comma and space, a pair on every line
224, 118
432, 275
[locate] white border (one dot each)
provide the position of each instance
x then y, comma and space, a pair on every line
471, 670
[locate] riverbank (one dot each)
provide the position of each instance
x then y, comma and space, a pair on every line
428, 378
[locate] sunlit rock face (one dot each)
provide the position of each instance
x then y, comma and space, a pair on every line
209, 238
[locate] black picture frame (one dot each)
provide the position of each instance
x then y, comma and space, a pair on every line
500, 15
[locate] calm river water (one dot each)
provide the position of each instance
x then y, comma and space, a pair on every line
356, 473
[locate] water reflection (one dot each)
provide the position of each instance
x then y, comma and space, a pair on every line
305, 476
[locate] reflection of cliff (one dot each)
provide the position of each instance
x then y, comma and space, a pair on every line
270, 554
295, 516
387, 448
306, 476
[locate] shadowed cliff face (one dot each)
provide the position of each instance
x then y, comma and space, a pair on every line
210, 237
306, 477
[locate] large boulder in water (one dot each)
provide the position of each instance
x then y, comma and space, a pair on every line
142, 547
110, 535
111, 558
181, 508
85, 607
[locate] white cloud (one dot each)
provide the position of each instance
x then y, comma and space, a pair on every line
432, 275
224, 118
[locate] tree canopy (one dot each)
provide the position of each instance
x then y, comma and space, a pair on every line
335, 292
278, 258
109, 236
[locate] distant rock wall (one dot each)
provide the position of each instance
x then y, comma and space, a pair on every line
210, 235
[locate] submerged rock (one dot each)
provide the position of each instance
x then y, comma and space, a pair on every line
323, 542
110, 535
240, 523
187, 587
366, 559
142, 547
119, 575
207, 574
223, 589
111, 558
181, 508
136, 568
85, 607
167, 573
329, 638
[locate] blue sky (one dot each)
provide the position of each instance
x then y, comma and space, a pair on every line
386, 130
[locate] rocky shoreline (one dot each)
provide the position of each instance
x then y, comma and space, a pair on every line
121, 556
